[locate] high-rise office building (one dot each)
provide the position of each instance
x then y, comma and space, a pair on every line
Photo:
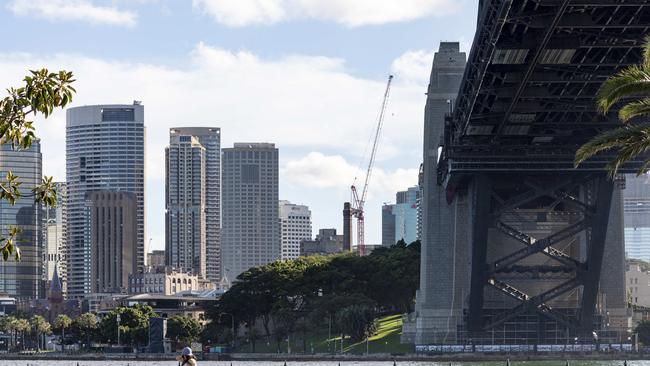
54, 238
185, 200
210, 139
104, 151
295, 226
23, 279
251, 234
399, 221
387, 225
113, 234
636, 208
406, 214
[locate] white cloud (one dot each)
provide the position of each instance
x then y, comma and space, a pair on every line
73, 10
333, 171
352, 13
414, 66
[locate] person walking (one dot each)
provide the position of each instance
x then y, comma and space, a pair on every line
186, 358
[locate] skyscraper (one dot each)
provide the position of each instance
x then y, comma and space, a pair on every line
251, 235
185, 218
636, 200
210, 139
387, 225
54, 238
295, 226
104, 151
406, 215
113, 237
399, 221
23, 279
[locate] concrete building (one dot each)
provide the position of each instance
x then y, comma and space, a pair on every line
113, 238
326, 242
388, 225
54, 239
295, 226
167, 281
210, 139
636, 201
185, 224
638, 285
104, 151
251, 234
23, 279
156, 259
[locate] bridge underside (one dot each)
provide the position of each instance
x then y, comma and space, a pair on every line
530, 235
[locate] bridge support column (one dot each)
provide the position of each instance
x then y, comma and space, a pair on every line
480, 225
590, 275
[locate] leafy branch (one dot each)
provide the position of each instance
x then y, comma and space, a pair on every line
42, 93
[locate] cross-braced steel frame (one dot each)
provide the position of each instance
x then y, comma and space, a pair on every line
586, 199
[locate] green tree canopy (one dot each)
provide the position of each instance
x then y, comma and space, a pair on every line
183, 329
134, 324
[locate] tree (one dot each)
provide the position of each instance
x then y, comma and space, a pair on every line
41, 327
8, 325
61, 323
134, 324
85, 326
357, 321
183, 329
643, 332
42, 93
21, 327
632, 139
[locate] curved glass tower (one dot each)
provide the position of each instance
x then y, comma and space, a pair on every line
104, 151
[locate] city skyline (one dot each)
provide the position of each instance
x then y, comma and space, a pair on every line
328, 77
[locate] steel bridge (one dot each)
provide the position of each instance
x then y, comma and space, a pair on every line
526, 103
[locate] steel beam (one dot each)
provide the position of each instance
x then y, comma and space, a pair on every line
595, 251
480, 225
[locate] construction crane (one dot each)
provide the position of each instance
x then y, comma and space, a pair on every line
358, 201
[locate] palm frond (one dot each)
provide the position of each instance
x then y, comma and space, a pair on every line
634, 109
634, 80
628, 141
646, 51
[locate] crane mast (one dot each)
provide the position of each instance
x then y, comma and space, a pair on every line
358, 201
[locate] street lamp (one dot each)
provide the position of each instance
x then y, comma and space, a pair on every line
232, 327
118, 328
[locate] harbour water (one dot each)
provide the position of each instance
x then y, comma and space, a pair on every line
316, 363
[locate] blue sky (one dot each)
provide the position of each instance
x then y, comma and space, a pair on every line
305, 74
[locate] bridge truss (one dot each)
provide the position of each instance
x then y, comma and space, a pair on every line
526, 103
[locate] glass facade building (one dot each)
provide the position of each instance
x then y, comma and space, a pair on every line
636, 201
105, 147
23, 279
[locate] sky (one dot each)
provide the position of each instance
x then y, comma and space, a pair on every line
307, 75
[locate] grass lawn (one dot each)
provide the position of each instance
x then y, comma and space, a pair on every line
385, 340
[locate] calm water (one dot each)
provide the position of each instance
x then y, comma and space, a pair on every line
327, 363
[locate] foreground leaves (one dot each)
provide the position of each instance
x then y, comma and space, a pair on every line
43, 92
